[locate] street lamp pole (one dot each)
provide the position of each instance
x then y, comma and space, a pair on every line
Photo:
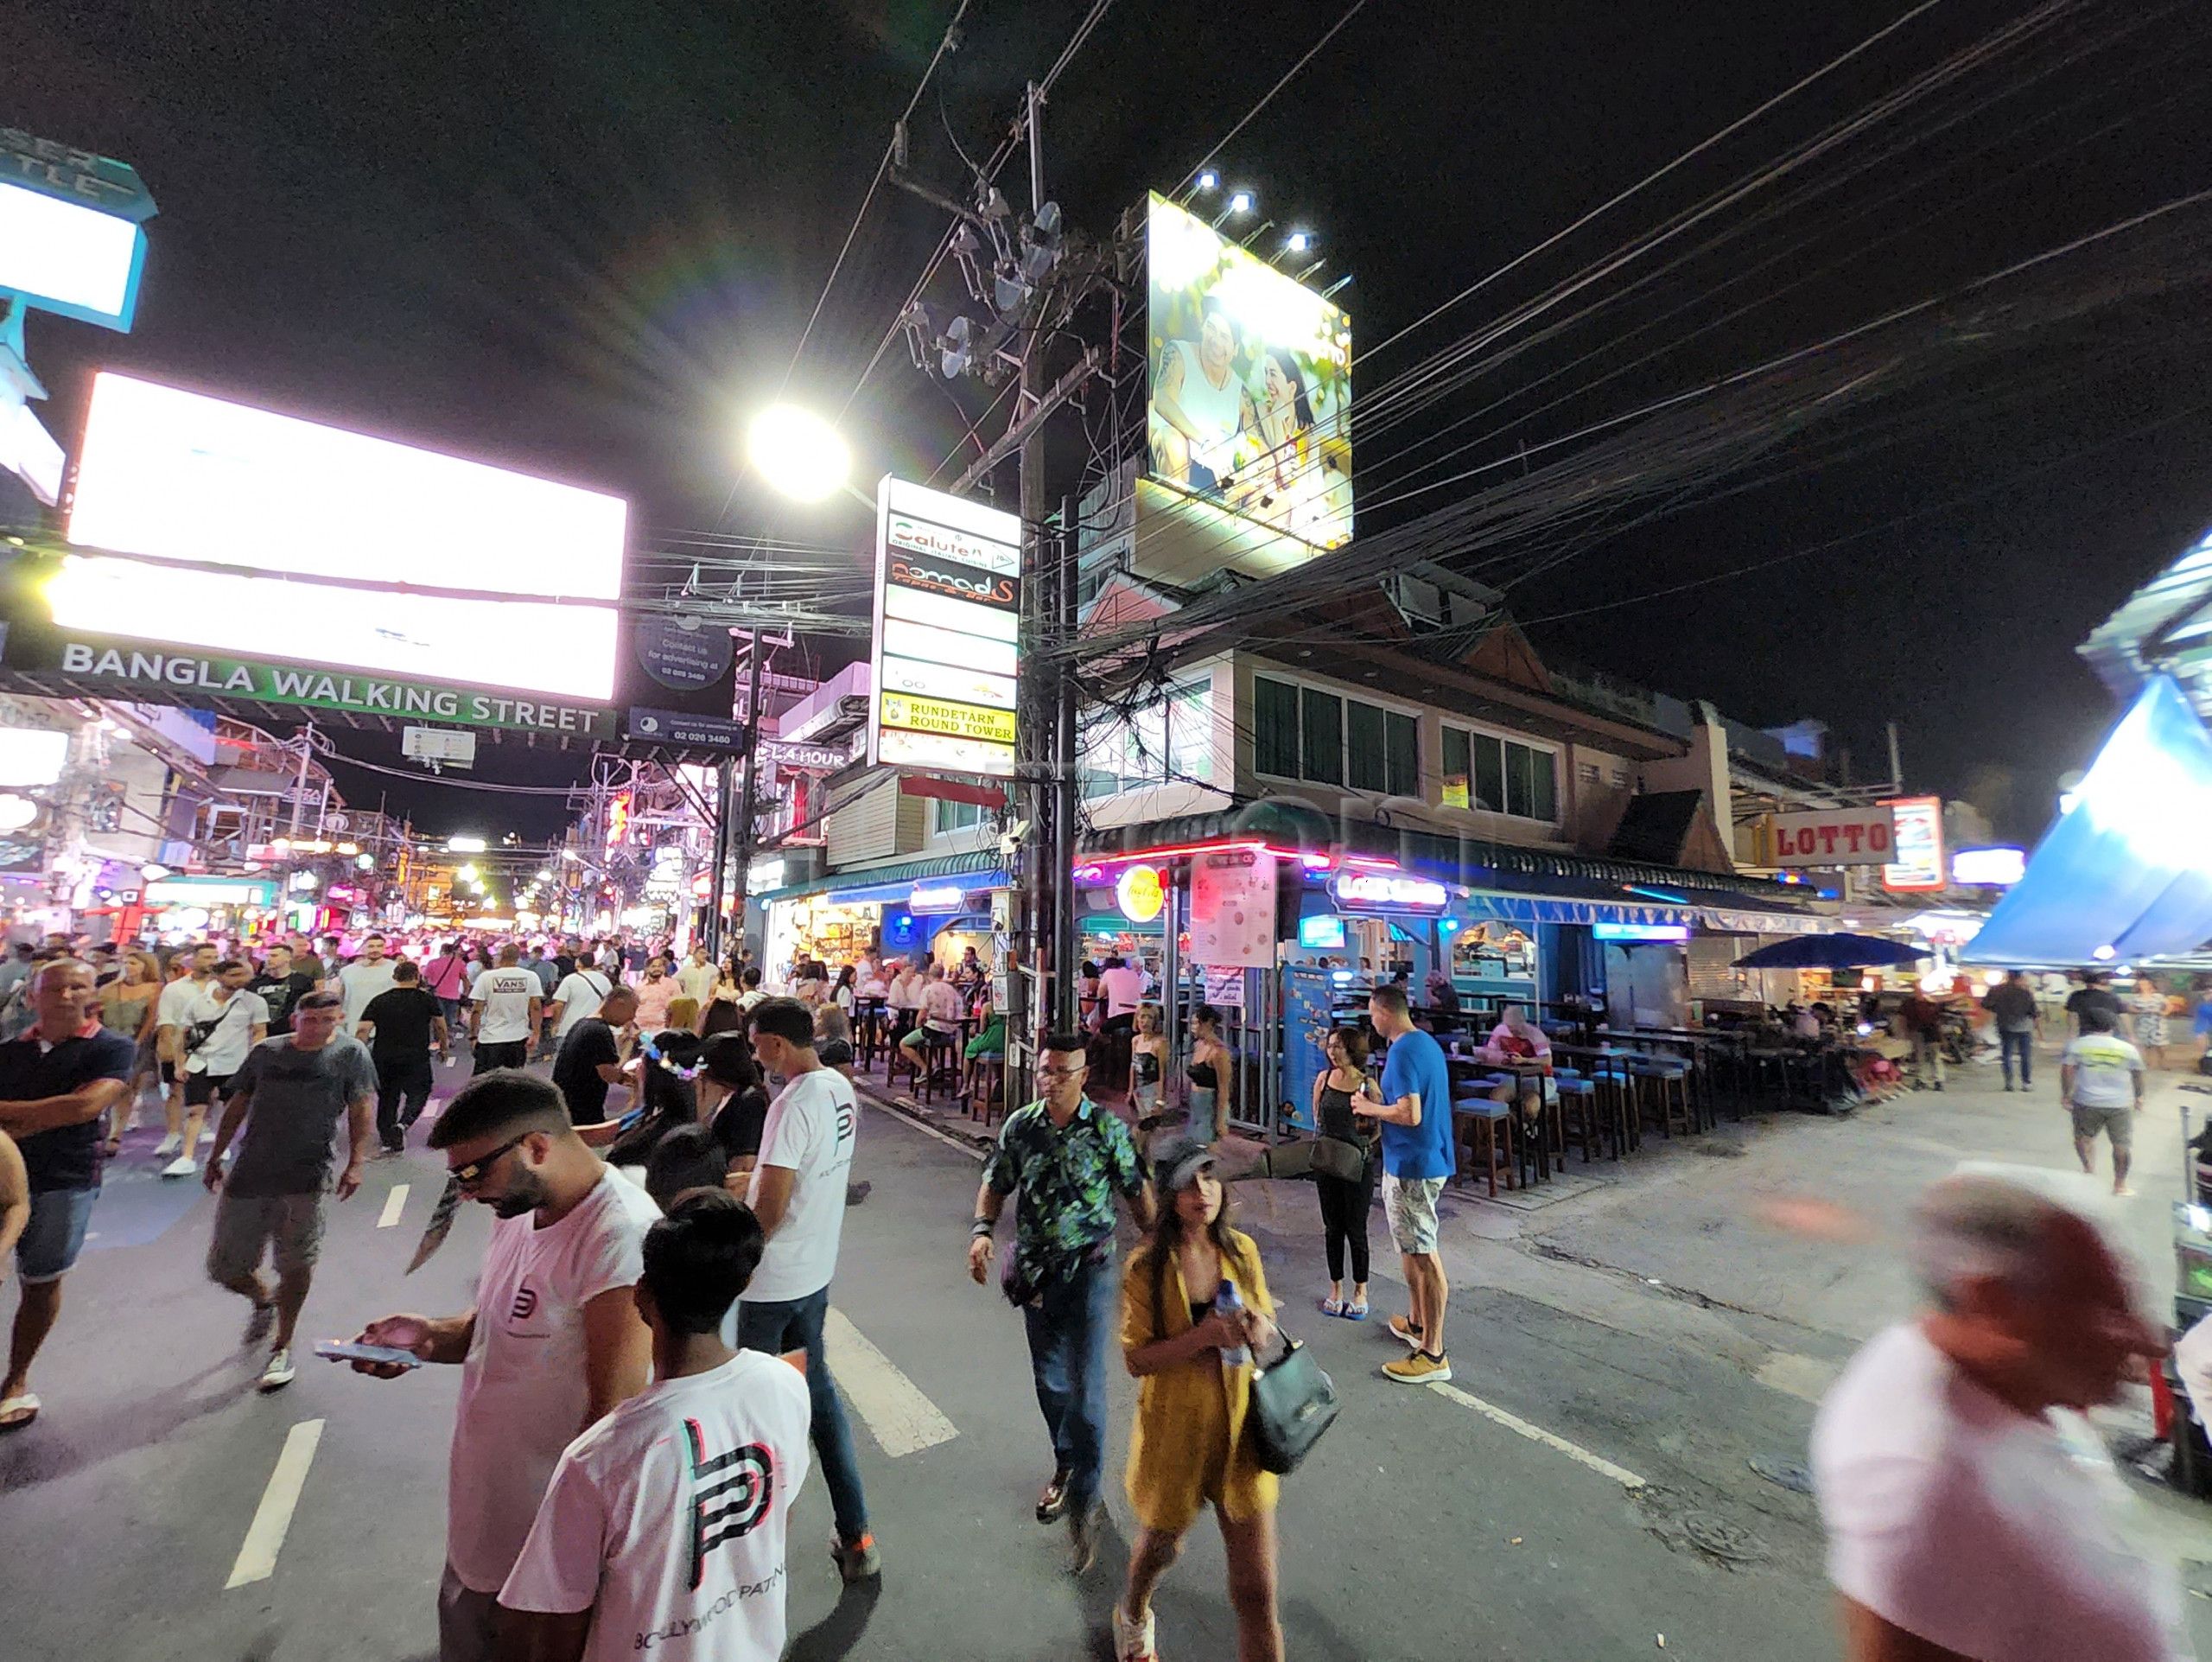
744, 826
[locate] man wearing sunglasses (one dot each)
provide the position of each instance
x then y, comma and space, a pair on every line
554, 1342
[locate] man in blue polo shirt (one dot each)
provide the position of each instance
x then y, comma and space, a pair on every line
55, 1082
1418, 1155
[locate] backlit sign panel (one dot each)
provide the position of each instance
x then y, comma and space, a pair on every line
1640, 931
72, 240
948, 599
180, 476
1140, 894
1919, 865
1378, 891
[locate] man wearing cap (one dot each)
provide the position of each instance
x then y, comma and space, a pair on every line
1067, 1158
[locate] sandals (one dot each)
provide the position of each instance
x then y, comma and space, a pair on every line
1350, 1309
1332, 1306
16, 1412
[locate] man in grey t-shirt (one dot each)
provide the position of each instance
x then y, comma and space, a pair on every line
291, 1092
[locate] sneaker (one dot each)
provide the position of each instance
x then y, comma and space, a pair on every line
1053, 1504
1084, 1531
1132, 1641
392, 1151
856, 1561
182, 1166
258, 1324
168, 1144
278, 1373
1403, 1329
1420, 1368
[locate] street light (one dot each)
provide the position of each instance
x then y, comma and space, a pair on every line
798, 452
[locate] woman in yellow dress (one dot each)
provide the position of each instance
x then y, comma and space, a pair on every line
1193, 1357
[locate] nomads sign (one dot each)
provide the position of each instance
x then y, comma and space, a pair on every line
1834, 836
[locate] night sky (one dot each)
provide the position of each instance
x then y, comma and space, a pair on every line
582, 239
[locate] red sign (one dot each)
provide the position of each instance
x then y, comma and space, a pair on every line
1836, 837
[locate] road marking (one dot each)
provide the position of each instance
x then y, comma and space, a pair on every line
264, 1537
903, 1420
392, 1203
1512, 1421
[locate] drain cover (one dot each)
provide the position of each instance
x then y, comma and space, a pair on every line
1723, 1539
1789, 1474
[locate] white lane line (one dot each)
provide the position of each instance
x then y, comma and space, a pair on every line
264, 1537
903, 1420
392, 1203
1512, 1421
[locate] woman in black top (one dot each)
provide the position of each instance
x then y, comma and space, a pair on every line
1344, 1204
1210, 1072
733, 1098
665, 1096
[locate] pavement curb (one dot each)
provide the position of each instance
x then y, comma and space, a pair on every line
976, 1145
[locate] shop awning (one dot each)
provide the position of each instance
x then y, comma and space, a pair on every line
1521, 885
2125, 876
892, 883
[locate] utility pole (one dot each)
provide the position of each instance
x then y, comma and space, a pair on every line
299, 791
743, 829
1061, 589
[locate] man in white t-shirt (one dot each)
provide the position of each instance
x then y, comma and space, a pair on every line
170, 1025
666, 1524
580, 993
552, 1344
365, 977
1971, 1512
504, 1006
1121, 985
799, 1194
2101, 1081
222, 1023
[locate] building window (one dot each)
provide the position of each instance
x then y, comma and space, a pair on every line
953, 816
1168, 742
1585, 773
1304, 733
1483, 770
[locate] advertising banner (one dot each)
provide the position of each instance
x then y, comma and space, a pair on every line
1233, 909
72, 236
947, 599
1250, 394
251, 526
1834, 836
1919, 865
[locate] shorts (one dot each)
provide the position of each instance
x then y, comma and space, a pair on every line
2118, 1123
168, 1074
246, 1225
500, 1052
1410, 1205
54, 1235
199, 1089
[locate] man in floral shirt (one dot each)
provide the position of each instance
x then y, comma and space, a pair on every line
1067, 1159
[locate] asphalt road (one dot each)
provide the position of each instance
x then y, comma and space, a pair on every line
1578, 1492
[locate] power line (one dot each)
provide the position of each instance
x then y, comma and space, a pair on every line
1268, 97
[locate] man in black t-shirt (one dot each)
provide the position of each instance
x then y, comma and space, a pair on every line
2095, 1002
55, 1082
401, 1026
280, 986
592, 1056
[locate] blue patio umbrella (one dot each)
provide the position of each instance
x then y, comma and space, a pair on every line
1839, 951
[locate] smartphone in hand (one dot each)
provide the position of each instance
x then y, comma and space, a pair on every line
332, 1350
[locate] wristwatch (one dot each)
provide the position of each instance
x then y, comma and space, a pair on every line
980, 1229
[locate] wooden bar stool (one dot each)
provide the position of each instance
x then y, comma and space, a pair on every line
1493, 1121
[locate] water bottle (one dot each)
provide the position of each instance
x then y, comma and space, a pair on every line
1226, 1303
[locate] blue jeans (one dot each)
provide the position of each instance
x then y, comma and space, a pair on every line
796, 1324
2022, 1045
1070, 1326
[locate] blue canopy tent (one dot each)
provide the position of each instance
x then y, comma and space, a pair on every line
2126, 874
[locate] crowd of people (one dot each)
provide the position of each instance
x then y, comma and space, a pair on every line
645, 1384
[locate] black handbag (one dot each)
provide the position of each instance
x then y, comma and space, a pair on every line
1333, 1156
1293, 1401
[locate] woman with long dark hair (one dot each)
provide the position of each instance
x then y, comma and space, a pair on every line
1212, 1072
1345, 1203
1195, 1312
667, 1063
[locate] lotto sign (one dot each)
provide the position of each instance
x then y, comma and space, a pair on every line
948, 602
1841, 836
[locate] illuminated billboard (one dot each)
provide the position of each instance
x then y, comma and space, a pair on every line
1251, 384
179, 476
948, 610
72, 239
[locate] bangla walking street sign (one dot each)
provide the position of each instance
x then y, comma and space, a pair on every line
108, 667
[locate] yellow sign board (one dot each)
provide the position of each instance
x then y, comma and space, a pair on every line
943, 715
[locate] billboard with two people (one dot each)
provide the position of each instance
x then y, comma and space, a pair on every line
1251, 382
